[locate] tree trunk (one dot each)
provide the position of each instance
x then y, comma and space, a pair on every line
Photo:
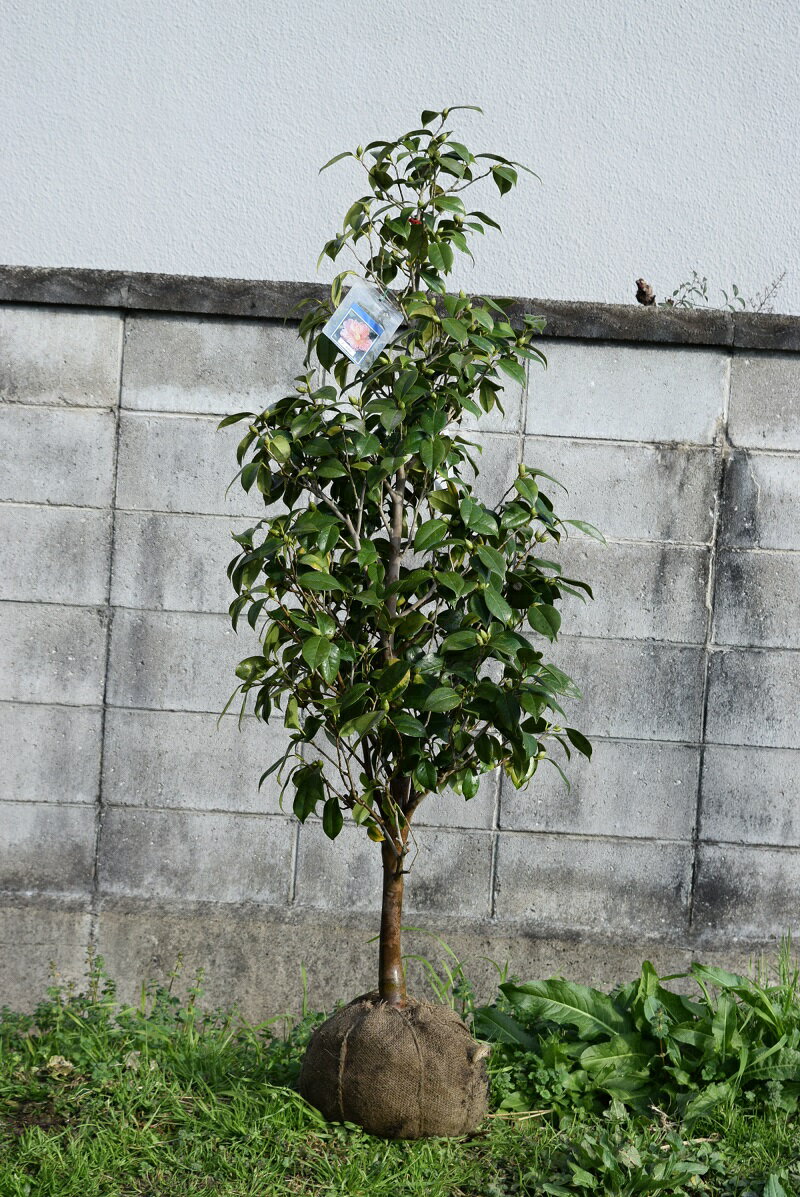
391, 981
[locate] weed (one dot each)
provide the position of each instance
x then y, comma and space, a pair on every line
575, 1048
99, 1099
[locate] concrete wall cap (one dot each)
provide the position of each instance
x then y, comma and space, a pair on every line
268, 300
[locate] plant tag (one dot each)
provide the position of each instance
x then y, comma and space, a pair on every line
364, 322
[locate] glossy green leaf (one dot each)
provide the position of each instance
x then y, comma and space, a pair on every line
336, 158
332, 821
407, 725
430, 534
459, 641
443, 698
492, 559
318, 580
565, 1003
497, 604
544, 619
579, 741
513, 369
456, 330
425, 775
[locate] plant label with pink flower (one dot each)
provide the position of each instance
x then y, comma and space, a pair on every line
364, 322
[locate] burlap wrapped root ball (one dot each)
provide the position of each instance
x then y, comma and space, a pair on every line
400, 1074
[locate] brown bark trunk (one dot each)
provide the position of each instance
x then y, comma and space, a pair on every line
392, 983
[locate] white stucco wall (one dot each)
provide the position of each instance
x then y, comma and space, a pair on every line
186, 136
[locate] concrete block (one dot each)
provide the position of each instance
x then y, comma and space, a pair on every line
746, 891
508, 420
59, 355
54, 554
175, 661
756, 599
765, 400
750, 795
754, 698
628, 392
250, 957
202, 364
52, 653
47, 848
51, 754
759, 507
49, 456
42, 942
450, 871
453, 810
191, 856
641, 591
634, 789
172, 759
173, 562
181, 463
254, 956
622, 887
498, 464
633, 689
629, 491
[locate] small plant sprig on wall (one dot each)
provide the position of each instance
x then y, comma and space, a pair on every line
391, 604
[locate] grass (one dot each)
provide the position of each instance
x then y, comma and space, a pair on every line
98, 1100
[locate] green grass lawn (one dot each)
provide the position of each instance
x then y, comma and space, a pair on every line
163, 1099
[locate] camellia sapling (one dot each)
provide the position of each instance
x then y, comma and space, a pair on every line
401, 620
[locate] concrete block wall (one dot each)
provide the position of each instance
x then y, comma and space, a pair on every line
130, 822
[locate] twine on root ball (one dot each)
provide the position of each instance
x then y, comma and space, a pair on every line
406, 1073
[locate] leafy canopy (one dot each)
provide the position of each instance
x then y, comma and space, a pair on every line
401, 619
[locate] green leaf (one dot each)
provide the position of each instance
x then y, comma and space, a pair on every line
327, 352
487, 220
316, 651
579, 741
470, 784
429, 534
251, 668
318, 580
309, 789
433, 453
622, 1053
455, 329
504, 176
336, 158
544, 619
240, 415
279, 447
450, 203
332, 821
589, 529
497, 605
493, 560
292, 718
393, 679
476, 517
249, 474
426, 775
443, 698
513, 369
441, 256
458, 641
491, 1023
407, 725
361, 724
592, 1013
